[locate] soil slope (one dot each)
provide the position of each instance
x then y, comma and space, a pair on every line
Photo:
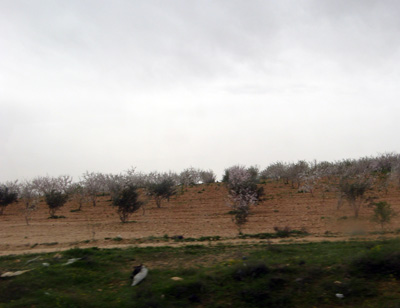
197, 211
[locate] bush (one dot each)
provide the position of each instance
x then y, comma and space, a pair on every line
6, 197
162, 190
127, 202
55, 200
282, 232
383, 213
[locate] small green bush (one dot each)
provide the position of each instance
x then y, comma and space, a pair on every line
55, 200
6, 197
127, 202
383, 213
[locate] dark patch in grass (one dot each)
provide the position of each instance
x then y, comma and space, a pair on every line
80, 253
14, 292
246, 271
375, 264
191, 291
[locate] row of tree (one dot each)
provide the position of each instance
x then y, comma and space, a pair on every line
351, 178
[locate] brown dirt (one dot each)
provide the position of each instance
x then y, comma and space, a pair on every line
201, 210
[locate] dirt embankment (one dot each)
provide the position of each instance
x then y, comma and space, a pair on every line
199, 211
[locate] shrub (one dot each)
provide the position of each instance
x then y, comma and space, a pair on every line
6, 197
383, 213
282, 232
164, 189
55, 200
78, 194
127, 202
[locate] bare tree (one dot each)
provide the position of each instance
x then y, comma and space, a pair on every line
276, 171
93, 184
137, 179
207, 176
29, 195
114, 183
78, 193
189, 176
47, 184
296, 172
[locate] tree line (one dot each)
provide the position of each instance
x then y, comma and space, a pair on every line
352, 179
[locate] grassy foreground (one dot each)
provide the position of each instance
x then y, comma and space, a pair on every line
349, 274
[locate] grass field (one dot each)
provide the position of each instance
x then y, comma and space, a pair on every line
325, 274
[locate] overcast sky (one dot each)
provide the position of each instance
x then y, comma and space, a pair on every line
164, 85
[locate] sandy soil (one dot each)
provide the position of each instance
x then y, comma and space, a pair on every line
200, 211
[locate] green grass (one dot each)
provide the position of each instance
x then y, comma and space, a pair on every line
263, 275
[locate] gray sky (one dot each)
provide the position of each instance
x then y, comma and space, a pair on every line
165, 85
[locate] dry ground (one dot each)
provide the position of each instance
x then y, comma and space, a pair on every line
200, 211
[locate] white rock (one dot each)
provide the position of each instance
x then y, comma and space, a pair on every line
73, 260
176, 278
12, 274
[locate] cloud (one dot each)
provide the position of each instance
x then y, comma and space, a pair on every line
100, 85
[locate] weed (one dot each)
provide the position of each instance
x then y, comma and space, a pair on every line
282, 232
49, 244
56, 217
